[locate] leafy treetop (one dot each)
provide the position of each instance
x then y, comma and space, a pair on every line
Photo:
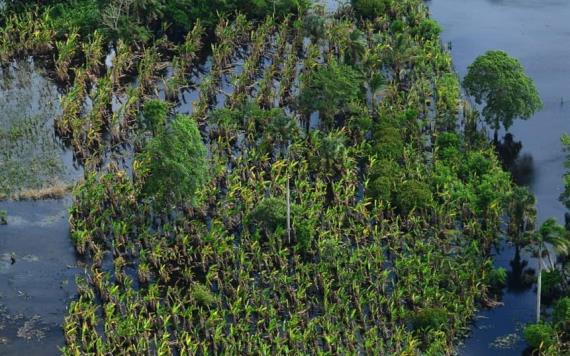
500, 81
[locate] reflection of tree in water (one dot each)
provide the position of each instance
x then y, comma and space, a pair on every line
521, 167
520, 277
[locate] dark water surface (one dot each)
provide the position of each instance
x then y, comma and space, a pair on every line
37, 259
37, 277
537, 32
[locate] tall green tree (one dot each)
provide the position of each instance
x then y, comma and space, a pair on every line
500, 81
173, 164
330, 89
553, 235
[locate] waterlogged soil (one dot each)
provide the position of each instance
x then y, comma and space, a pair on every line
37, 276
537, 33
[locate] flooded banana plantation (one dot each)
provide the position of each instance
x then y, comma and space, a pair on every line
182, 177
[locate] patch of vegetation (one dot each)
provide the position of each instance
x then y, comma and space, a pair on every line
3, 217
233, 229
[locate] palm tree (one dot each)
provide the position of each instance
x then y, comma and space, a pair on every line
522, 215
551, 234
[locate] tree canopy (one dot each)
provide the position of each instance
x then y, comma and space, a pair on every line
173, 163
501, 83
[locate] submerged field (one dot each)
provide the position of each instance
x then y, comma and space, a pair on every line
300, 182
30, 154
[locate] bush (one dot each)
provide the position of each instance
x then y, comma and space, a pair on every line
389, 143
551, 281
382, 180
202, 294
429, 29
448, 140
3, 217
414, 194
430, 318
539, 335
269, 215
561, 314
154, 115
173, 164
370, 9
83, 16
498, 277
330, 89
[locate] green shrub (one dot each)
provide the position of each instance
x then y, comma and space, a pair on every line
173, 164
383, 178
397, 26
154, 115
561, 314
448, 140
330, 89
430, 318
371, 9
413, 194
3, 217
83, 16
389, 143
380, 189
429, 29
269, 215
202, 294
551, 281
498, 277
539, 335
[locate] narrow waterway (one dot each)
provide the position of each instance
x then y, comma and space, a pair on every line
536, 32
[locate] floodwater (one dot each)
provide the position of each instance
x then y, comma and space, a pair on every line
537, 33
37, 276
37, 258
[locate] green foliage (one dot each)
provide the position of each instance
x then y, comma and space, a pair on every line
202, 294
430, 30
3, 217
414, 194
269, 215
371, 9
173, 164
330, 89
281, 8
498, 277
539, 336
551, 281
565, 195
389, 143
500, 81
448, 94
84, 15
154, 115
561, 314
522, 215
383, 179
430, 319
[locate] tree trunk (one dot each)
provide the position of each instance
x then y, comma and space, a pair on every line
539, 286
496, 137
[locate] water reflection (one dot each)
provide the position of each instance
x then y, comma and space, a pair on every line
520, 166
